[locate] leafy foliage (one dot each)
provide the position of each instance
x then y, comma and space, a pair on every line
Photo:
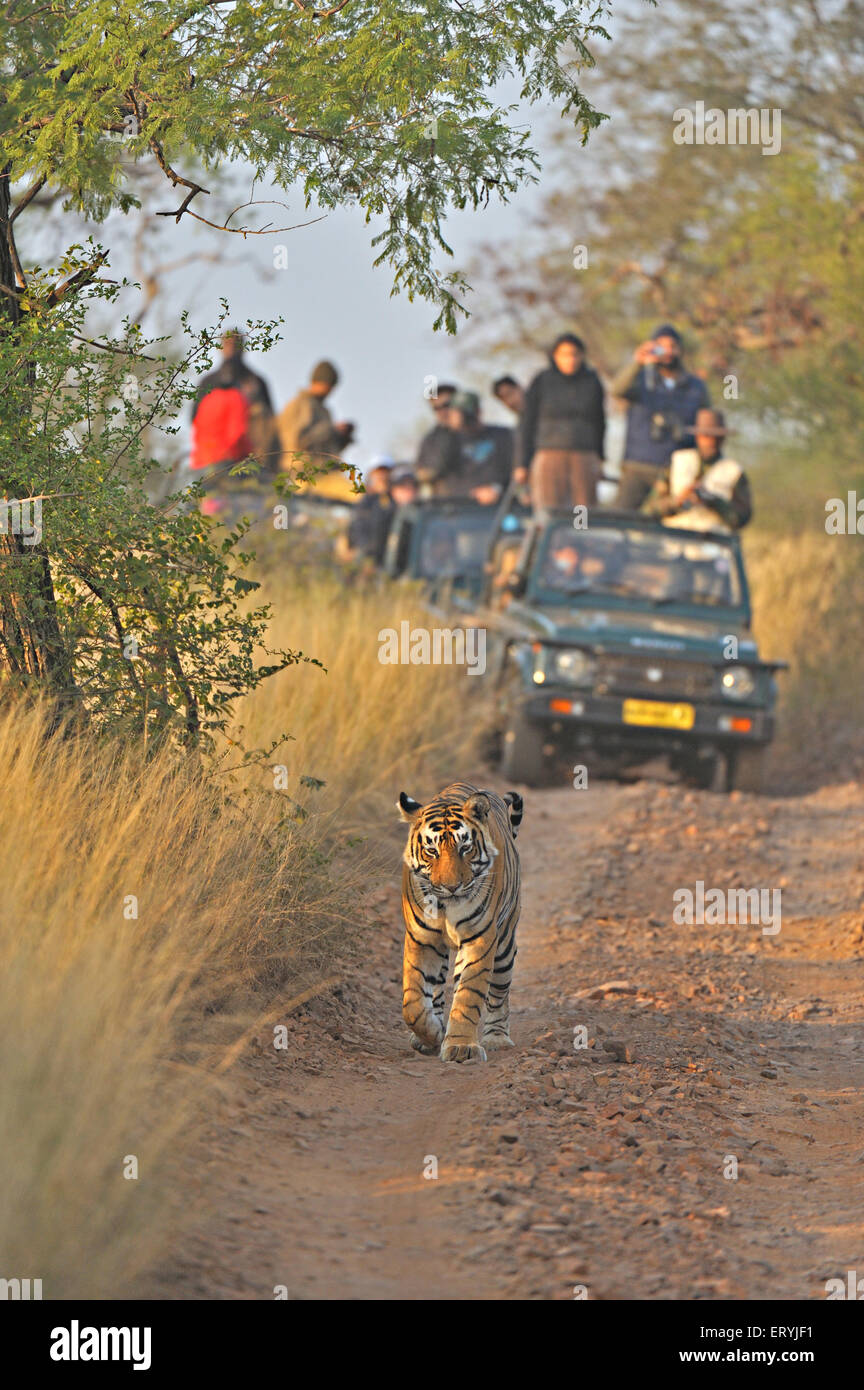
341, 100
380, 103
760, 257
151, 601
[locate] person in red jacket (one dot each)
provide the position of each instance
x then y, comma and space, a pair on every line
232, 415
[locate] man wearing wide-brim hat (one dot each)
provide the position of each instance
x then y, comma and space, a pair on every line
705, 491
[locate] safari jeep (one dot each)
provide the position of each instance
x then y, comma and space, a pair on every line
443, 543
621, 641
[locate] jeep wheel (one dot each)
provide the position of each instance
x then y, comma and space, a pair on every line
748, 769
523, 756
710, 774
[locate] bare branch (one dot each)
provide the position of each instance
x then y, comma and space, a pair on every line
172, 174
109, 347
244, 231
28, 197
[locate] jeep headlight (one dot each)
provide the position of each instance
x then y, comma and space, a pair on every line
738, 683
571, 665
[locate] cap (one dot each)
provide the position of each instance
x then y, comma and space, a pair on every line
401, 475
468, 402
325, 372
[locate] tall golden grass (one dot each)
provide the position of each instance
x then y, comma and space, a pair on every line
116, 1028
808, 590
366, 729
114, 1025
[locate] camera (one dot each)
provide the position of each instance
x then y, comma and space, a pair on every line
665, 426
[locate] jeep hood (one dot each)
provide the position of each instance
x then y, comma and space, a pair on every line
621, 630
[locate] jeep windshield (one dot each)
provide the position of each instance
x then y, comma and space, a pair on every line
654, 566
454, 545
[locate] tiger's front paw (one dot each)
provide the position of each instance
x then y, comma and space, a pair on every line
493, 1040
429, 1049
463, 1052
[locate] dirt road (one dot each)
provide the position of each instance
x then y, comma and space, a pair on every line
561, 1169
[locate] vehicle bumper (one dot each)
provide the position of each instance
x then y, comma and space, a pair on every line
587, 718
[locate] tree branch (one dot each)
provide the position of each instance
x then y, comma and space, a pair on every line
241, 231
75, 282
28, 196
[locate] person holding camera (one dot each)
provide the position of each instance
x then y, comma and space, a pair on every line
311, 439
663, 399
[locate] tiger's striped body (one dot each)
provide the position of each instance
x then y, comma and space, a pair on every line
460, 892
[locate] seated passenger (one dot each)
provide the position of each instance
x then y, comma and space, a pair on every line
573, 567
403, 487
371, 517
503, 566
507, 390
704, 490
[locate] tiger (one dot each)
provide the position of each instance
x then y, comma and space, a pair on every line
461, 885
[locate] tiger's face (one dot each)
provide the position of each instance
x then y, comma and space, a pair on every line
449, 849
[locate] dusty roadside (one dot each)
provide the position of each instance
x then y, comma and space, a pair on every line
560, 1168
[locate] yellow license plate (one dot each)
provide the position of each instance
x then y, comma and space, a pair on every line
658, 714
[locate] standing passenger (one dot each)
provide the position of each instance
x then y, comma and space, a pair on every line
662, 399
561, 430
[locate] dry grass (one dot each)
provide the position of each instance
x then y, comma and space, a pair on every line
112, 1026
808, 589
366, 729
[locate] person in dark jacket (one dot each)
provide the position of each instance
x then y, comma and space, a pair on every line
662, 401
403, 486
371, 516
233, 372
438, 457
561, 430
486, 451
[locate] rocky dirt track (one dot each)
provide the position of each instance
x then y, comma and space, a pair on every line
601, 1168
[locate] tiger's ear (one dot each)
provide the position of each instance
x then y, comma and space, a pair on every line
515, 803
407, 807
477, 806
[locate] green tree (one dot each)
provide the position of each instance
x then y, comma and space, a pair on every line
149, 606
759, 257
379, 103
384, 104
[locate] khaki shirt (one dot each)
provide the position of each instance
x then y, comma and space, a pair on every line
308, 439
306, 427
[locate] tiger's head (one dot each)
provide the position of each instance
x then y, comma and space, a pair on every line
450, 847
